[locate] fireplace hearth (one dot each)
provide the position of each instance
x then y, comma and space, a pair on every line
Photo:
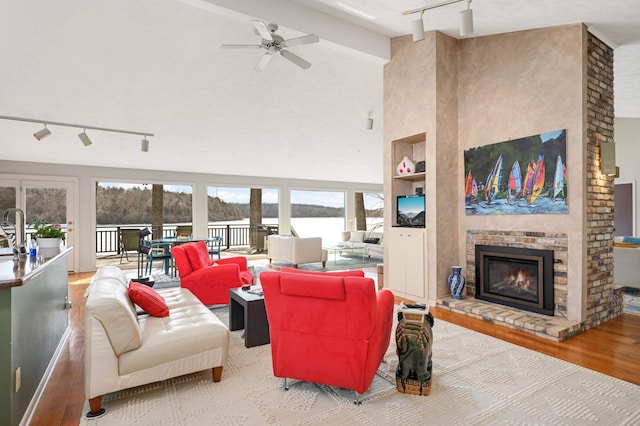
518, 277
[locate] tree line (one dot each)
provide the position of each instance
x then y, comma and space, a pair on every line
133, 205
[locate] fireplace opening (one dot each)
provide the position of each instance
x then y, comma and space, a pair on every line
517, 277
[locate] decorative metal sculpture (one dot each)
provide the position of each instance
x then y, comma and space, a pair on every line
414, 338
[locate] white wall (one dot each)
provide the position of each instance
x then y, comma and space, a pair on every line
627, 138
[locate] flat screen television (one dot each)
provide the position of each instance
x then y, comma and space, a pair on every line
410, 211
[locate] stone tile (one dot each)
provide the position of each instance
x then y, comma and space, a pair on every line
553, 328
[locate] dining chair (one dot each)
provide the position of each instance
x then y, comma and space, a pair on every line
214, 245
159, 251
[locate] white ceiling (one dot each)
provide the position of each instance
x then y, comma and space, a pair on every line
157, 66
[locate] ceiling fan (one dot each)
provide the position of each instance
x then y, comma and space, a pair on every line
273, 43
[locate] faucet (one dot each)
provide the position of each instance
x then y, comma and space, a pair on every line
6, 222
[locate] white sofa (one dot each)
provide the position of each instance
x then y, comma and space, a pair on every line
371, 241
123, 349
296, 250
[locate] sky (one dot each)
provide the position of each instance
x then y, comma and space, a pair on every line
550, 135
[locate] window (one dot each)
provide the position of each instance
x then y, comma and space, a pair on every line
318, 214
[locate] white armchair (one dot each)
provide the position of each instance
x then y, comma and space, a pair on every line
296, 250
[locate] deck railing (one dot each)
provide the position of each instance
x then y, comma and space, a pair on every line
233, 236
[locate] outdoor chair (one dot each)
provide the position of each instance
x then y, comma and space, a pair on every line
162, 252
214, 244
186, 230
128, 242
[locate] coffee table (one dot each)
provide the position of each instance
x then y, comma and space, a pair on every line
246, 310
354, 248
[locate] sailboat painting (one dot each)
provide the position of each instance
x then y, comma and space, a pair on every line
470, 188
515, 182
535, 179
538, 188
560, 181
492, 187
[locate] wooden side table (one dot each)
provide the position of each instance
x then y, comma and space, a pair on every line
246, 310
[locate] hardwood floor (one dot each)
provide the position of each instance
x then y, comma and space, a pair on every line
612, 348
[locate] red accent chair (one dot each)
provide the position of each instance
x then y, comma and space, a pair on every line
209, 281
327, 328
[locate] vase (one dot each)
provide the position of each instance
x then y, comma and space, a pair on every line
48, 243
405, 167
456, 282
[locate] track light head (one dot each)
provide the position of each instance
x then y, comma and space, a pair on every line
370, 122
43, 133
466, 21
84, 138
144, 145
417, 28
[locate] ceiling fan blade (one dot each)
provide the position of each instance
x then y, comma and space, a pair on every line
262, 29
262, 63
241, 46
298, 41
295, 59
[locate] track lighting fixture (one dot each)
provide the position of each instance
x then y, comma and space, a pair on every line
43, 133
370, 121
84, 138
466, 19
417, 28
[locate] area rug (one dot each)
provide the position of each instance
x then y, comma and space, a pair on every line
477, 380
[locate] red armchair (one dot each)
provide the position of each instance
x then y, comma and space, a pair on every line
327, 328
209, 281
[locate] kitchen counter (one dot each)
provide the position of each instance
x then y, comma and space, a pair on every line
14, 273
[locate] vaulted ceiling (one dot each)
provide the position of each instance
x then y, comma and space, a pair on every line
156, 66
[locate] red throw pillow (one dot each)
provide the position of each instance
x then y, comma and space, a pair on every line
148, 299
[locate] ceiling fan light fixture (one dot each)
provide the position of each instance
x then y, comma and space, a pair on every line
274, 43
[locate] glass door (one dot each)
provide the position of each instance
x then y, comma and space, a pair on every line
53, 202
9, 199
51, 199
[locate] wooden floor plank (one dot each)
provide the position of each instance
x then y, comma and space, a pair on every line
612, 348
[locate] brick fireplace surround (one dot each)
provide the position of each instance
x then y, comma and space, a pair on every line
556, 327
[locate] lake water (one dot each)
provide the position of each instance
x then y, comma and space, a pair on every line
328, 228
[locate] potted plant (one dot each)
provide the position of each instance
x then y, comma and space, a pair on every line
48, 235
